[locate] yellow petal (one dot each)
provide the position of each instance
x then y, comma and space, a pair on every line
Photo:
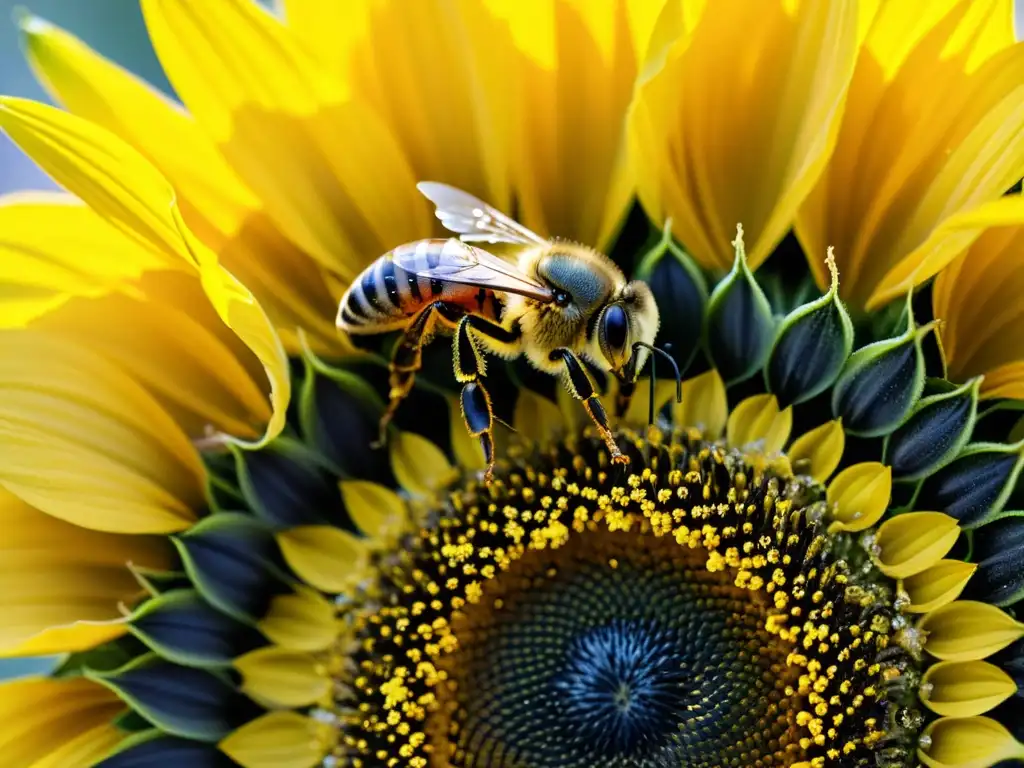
278, 740
538, 419
858, 496
638, 412
379, 512
303, 621
821, 448
169, 339
934, 587
704, 405
214, 201
325, 557
965, 688
99, 90
910, 543
111, 177
43, 237
84, 442
972, 742
575, 81
895, 30
47, 720
966, 630
446, 67
978, 299
1005, 381
126, 190
768, 114
61, 586
85, 749
288, 130
239, 310
757, 422
420, 467
278, 677
945, 153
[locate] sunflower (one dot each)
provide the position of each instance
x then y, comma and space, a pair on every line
813, 557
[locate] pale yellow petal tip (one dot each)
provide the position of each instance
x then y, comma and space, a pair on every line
965, 688
28, 22
279, 740
859, 496
967, 630
758, 424
817, 453
738, 244
968, 742
910, 543
833, 269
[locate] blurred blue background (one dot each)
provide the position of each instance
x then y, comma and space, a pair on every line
115, 29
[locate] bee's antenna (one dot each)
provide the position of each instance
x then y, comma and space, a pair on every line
675, 369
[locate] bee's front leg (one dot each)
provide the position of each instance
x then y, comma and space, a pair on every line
469, 369
580, 386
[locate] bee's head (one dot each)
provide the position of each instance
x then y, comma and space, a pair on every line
626, 328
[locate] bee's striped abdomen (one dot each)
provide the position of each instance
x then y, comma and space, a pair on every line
386, 296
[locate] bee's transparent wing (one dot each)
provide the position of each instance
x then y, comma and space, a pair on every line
460, 263
474, 219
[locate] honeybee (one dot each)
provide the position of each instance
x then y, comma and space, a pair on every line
561, 303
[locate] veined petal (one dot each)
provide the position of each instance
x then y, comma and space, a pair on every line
910, 543
53, 247
169, 339
282, 678
577, 68
95, 88
889, 207
978, 298
279, 740
61, 586
437, 72
125, 189
746, 144
55, 723
84, 442
107, 174
304, 621
968, 742
325, 557
819, 451
215, 203
326, 166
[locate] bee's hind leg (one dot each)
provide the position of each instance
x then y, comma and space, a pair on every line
470, 369
581, 387
407, 358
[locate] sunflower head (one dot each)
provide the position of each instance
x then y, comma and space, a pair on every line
809, 558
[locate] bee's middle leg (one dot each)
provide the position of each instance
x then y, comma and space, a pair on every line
470, 369
582, 388
407, 358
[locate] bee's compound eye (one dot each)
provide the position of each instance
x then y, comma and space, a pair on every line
562, 298
615, 328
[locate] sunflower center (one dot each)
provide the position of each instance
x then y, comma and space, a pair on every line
614, 648
693, 613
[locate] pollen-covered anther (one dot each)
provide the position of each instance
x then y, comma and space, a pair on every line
693, 612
